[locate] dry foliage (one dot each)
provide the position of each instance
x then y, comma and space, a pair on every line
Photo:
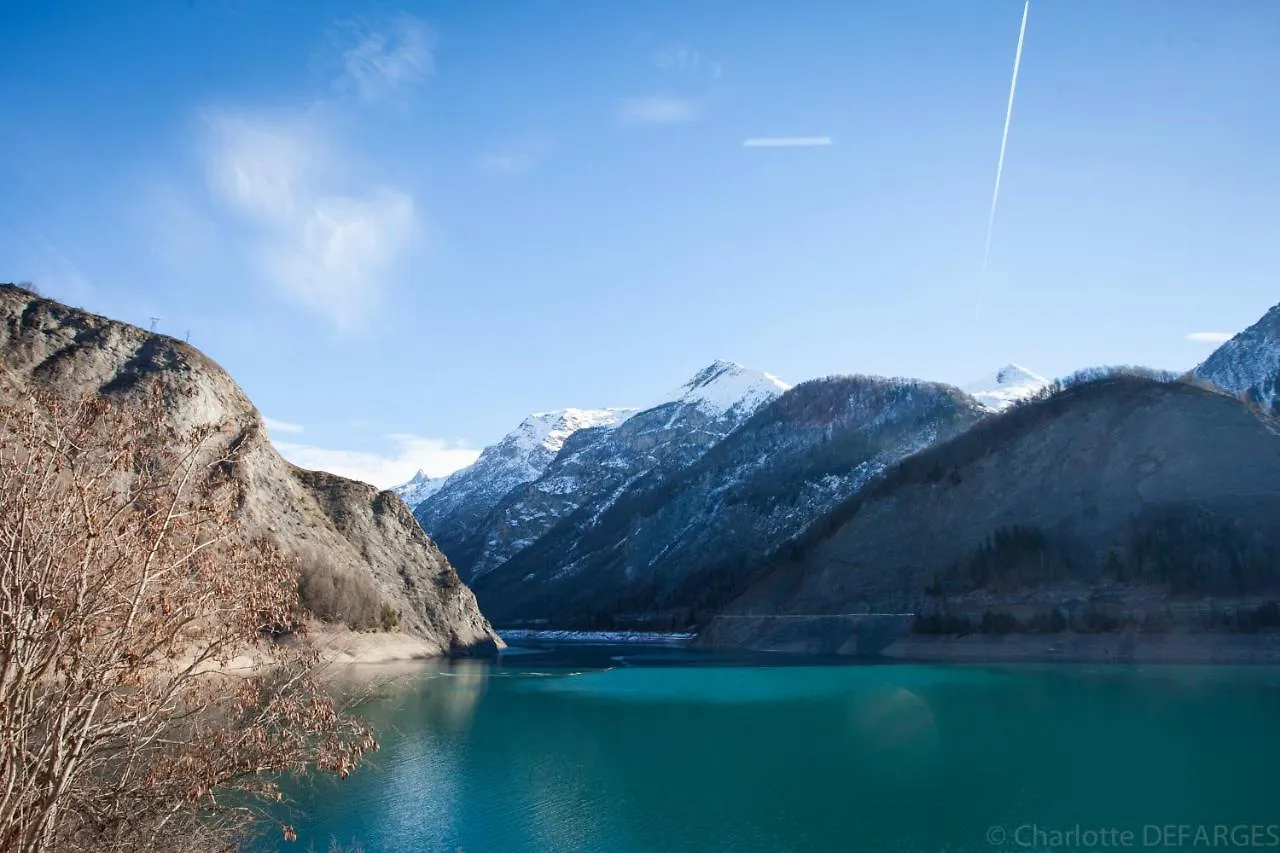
333, 595
126, 590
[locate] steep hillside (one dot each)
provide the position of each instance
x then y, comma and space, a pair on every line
455, 511
1249, 363
1105, 504
593, 466
682, 538
360, 548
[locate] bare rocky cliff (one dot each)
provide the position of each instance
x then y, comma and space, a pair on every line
1123, 501
361, 550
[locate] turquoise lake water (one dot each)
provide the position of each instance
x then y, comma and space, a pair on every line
626, 749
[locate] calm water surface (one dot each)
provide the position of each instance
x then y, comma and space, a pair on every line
626, 749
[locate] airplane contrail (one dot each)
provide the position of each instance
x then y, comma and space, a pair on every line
1004, 143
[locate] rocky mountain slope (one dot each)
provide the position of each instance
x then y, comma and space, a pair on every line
360, 548
595, 463
1106, 504
463, 504
1249, 363
684, 535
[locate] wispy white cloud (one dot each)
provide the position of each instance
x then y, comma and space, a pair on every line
657, 109
437, 457
677, 58
327, 250
276, 426
332, 259
380, 61
1210, 337
514, 156
261, 164
787, 141
682, 58
506, 163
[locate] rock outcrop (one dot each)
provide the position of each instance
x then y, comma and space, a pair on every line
350, 536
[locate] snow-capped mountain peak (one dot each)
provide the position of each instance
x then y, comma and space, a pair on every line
725, 385
1008, 385
549, 430
418, 488
522, 456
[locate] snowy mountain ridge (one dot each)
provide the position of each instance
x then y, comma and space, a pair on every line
418, 488
547, 431
555, 465
725, 385
526, 452
1249, 363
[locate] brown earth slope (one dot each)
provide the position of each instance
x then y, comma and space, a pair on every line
360, 547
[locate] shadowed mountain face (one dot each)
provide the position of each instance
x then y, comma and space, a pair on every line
349, 535
536, 477
684, 535
1122, 488
1249, 363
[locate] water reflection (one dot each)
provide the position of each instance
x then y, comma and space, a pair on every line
544, 753
894, 729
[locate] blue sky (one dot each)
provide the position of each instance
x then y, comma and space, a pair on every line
402, 227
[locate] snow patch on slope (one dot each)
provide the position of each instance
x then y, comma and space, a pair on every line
550, 429
1249, 362
1008, 385
724, 386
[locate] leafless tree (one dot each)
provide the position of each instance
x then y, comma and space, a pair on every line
128, 594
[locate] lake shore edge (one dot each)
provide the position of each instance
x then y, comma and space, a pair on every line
1228, 649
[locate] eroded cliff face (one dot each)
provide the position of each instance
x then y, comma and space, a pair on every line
1123, 491
341, 528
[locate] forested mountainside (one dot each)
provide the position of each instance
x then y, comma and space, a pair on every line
1121, 502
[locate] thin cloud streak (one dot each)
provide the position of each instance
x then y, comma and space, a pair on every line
515, 156
1004, 145
657, 110
1210, 337
787, 142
